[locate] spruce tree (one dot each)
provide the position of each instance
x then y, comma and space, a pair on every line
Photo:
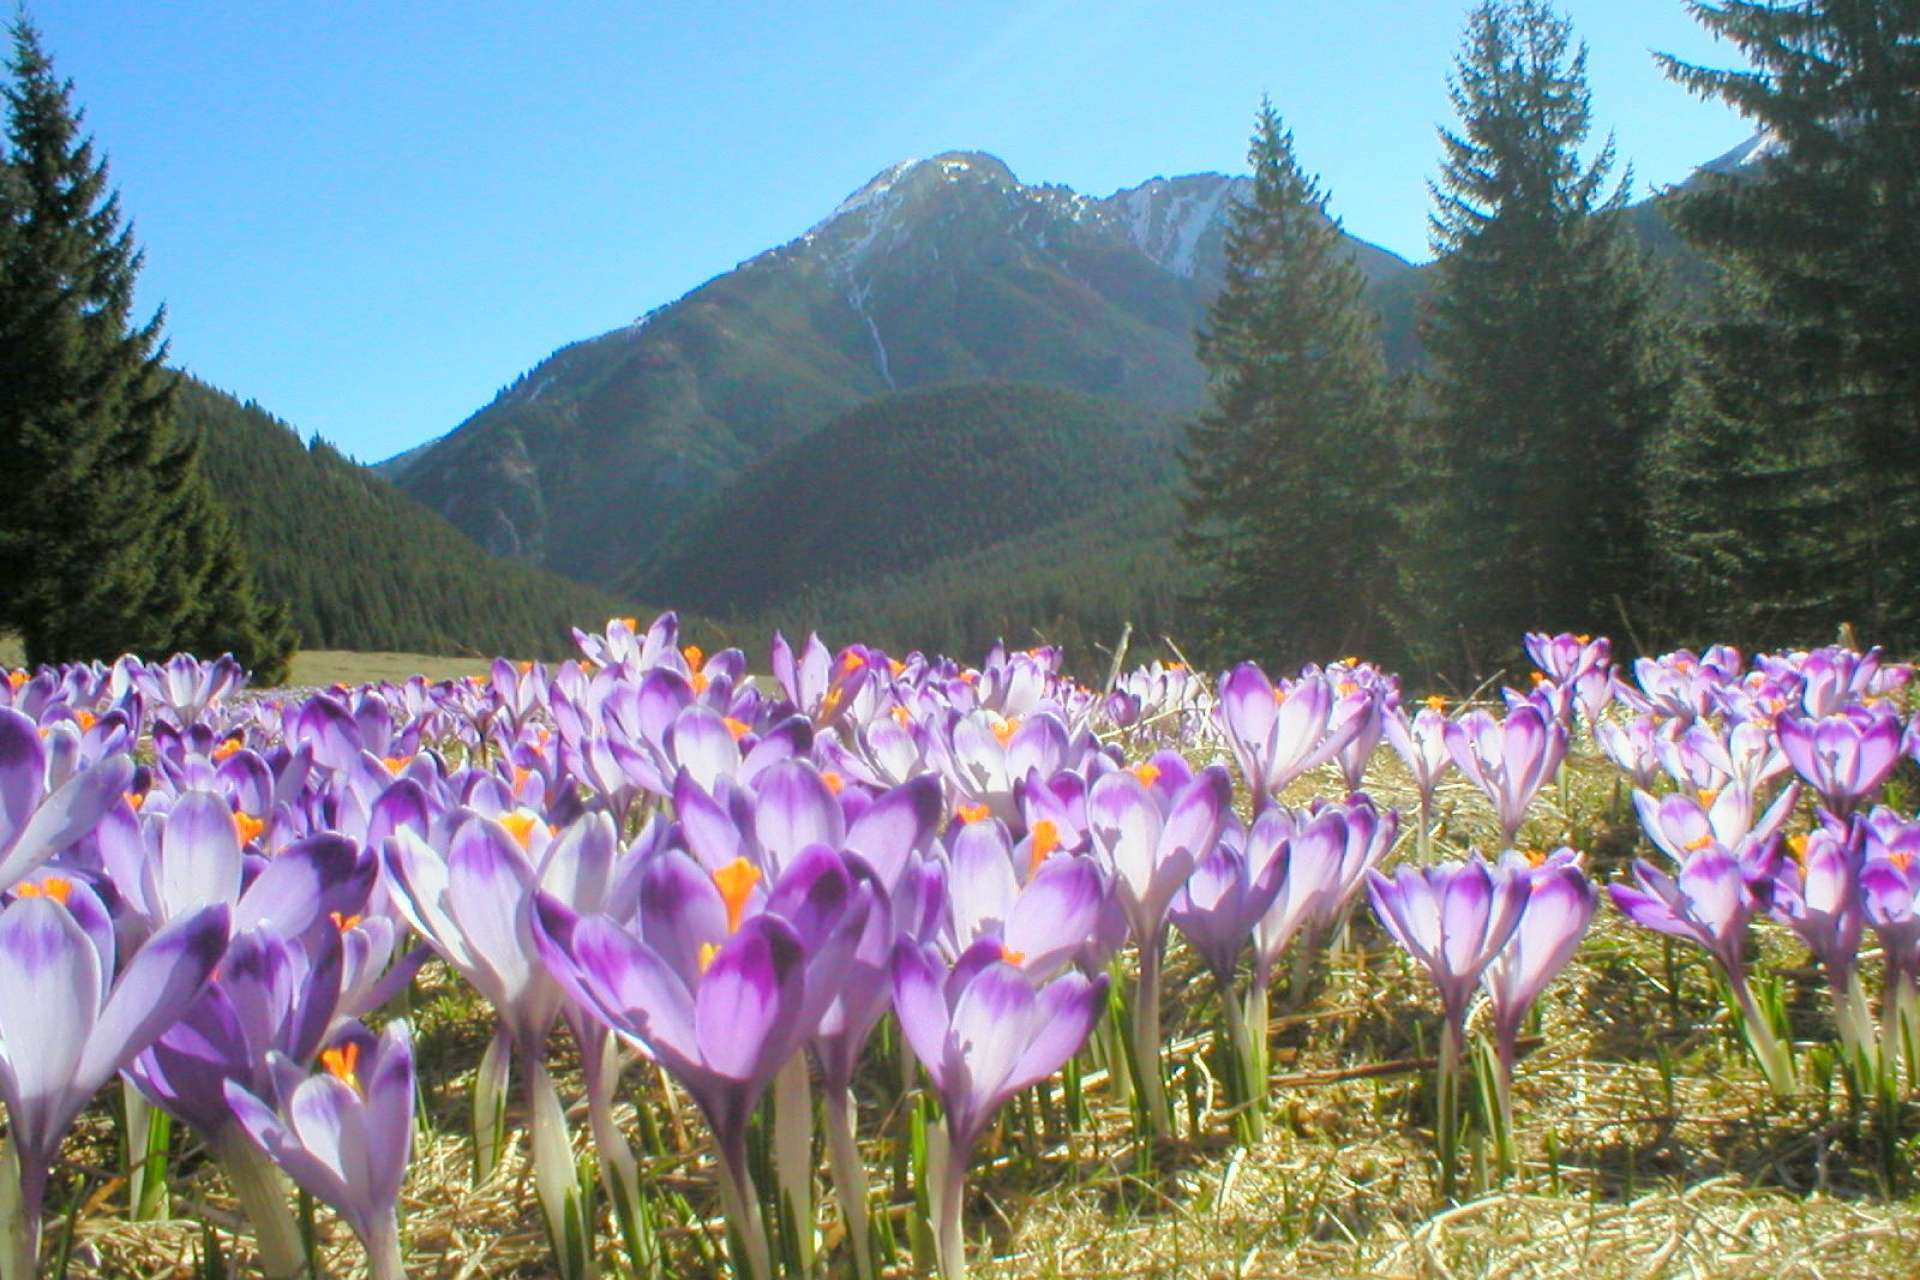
1551, 365
1286, 511
109, 532
1811, 515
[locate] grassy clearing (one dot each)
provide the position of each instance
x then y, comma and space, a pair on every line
318, 668
1649, 1144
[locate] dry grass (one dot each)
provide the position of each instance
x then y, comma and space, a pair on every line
1649, 1145
318, 668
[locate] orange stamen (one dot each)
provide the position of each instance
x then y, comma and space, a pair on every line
1536, 857
738, 728
970, 813
56, 887
1046, 838
901, 717
633, 624
1436, 703
708, 950
1012, 957
397, 765
84, 719
1005, 729
526, 668
342, 922
1279, 696
1706, 796
698, 682
247, 827
735, 881
343, 1064
1695, 846
696, 656
897, 667
15, 679
136, 799
833, 781
1538, 677
851, 661
1148, 773
831, 703
1346, 688
226, 749
520, 827
1798, 846
520, 777
1900, 858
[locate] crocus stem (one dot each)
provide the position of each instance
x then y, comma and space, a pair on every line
1447, 1122
1146, 1035
849, 1176
1306, 949
793, 1157
148, 1129
1259, 1013
1249, 1120
20, 1218
490, 1104
267, 1201
1776, 1062
1423, 837
953, 1201
384, 1261
1493, 1069
1854, 1021
556, 1181
619, 1172
742, 1205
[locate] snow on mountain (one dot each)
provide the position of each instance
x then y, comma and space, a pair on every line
1166, 217
1749, 154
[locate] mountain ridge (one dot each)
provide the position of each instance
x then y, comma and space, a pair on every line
936, 270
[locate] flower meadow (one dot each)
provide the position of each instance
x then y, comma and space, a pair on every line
772, 970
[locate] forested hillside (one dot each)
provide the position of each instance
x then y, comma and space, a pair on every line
361, 565
906, 480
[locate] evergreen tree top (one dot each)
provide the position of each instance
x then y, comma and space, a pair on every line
1519, 87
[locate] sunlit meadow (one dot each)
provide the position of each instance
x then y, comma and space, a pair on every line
645, 965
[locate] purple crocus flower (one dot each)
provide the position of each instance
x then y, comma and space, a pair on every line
984, 1032
1817, 894
344, 1133
1421, 743
1508, 759
1454, 918
1041, 924
1710, 902
1890, 902
1846, 756
1559, 909
35, 826
1277, 734
721, 995
67, 1025
1149, 830
1683, 824
1221, 902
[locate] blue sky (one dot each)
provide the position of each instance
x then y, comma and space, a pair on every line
370, 216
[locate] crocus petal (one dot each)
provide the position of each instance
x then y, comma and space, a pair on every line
199, 854
50, 988
747, 1000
